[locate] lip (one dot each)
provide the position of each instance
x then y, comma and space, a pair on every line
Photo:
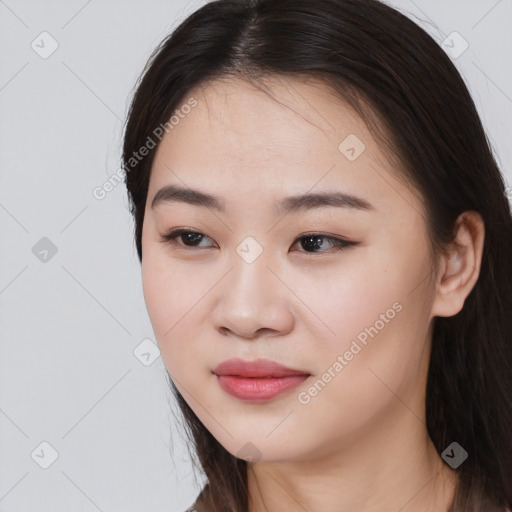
261, 368
257, 380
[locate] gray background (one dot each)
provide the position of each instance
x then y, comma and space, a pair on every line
70, 324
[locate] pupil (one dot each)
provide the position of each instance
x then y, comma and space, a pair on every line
193, 237
315, 240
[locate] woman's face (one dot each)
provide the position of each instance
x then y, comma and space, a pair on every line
354, 319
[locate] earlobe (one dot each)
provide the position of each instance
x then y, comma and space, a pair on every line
460, 265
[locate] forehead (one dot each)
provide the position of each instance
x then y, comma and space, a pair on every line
269, 118
276, 137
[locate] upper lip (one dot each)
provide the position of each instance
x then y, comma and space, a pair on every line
256, 368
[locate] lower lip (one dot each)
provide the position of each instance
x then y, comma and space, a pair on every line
255, 389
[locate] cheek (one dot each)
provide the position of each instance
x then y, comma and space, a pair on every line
170, 295
375, 314
366, 288
361, 372
177, 300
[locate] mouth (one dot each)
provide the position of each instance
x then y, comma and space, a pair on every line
258, 380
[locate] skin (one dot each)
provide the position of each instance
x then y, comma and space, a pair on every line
361, 443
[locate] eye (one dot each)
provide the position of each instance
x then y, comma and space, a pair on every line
188, 237
316, 241
312, 243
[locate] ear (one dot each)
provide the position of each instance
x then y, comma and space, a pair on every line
460, 265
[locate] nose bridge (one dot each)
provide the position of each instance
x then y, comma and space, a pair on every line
251, 277
251, 297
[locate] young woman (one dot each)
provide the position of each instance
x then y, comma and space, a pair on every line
325, 244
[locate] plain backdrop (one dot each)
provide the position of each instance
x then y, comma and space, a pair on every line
86, 416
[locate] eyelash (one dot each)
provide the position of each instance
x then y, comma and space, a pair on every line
338, 243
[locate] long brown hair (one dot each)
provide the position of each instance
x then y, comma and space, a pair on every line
397, 77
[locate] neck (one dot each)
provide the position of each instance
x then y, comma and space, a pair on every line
398, 470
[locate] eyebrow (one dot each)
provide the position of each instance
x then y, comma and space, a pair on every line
290, 204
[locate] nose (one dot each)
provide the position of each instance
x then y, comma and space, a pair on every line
253, 302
